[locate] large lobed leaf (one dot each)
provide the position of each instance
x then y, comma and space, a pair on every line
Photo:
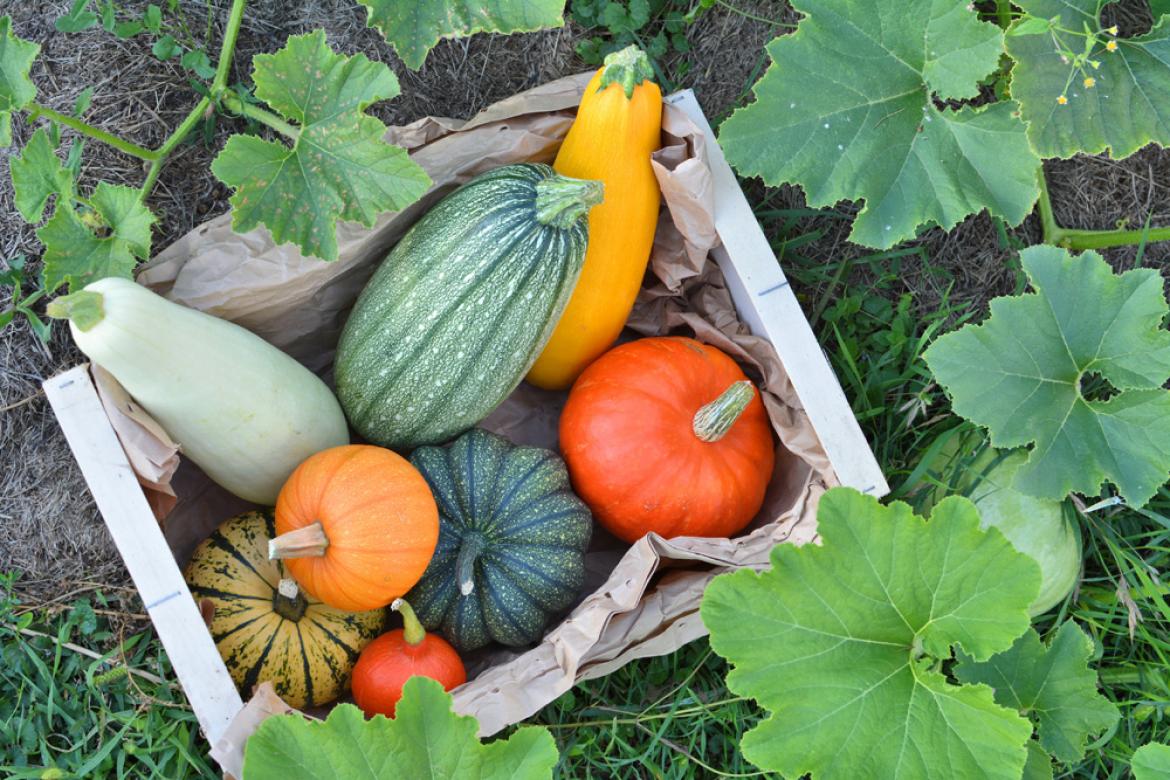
841, 643
1054, 684
337, 168
1019, 374
16, 88
424, 740
846, 111
415, 26
76, 255
1124, 111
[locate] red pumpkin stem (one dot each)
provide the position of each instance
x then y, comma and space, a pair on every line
306, 542
714, 420
412, 629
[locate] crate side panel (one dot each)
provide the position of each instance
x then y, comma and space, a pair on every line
767, 304
140, 541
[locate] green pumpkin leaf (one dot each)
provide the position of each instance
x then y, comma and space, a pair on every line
77, 18
338, 167
846, 110
165, 47
1019, 375
1039, 764
413, 27
1151, 762
37, 174
842, 641
425, 739
76, 255
16, 88
1053, 684
1125, 108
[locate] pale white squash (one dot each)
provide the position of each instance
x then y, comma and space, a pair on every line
244, 411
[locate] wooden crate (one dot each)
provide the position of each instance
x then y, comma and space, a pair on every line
763, 298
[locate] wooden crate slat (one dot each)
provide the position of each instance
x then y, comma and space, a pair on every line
767, 305
143, 547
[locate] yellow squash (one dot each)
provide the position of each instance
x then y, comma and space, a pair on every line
618, 126
266, 628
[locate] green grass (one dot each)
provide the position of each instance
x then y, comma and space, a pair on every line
669, 717
65, 714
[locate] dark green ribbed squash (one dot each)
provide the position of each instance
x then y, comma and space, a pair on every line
462, 306
512, 538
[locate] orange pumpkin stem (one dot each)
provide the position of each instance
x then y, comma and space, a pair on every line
714, 420
306, 542
412, 630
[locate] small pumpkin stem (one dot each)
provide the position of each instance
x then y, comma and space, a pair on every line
288, 602
561, 201
714, 420
627, 68
306, 542
412, 629
465, 563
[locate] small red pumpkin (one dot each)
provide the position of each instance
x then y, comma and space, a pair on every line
667, 435
393, 658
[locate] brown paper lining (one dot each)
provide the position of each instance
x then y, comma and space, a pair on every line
642, 600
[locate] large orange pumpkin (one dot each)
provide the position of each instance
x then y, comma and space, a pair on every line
667, 435
357, 526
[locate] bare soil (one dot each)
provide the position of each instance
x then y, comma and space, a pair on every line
49, 527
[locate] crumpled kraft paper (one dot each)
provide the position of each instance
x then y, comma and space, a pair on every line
641, 600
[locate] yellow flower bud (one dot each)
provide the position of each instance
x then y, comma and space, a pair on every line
1090, 82
1062, 100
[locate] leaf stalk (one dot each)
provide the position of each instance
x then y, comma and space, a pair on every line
236, 106
36, 111
228, 48
1080, 240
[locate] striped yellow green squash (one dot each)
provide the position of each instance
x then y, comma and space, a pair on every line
265, 627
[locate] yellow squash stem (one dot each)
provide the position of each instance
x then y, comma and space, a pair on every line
618, 126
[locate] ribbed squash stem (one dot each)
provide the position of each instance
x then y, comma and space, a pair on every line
628, 67
83, 308
412, 629
561, 201
714, 420
306, 542
473, 545
288, 601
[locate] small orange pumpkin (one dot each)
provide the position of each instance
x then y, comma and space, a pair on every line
356, 526
393, 658
667, 435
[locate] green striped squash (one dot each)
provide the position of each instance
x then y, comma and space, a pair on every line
462, 306
265, 627
512, 539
